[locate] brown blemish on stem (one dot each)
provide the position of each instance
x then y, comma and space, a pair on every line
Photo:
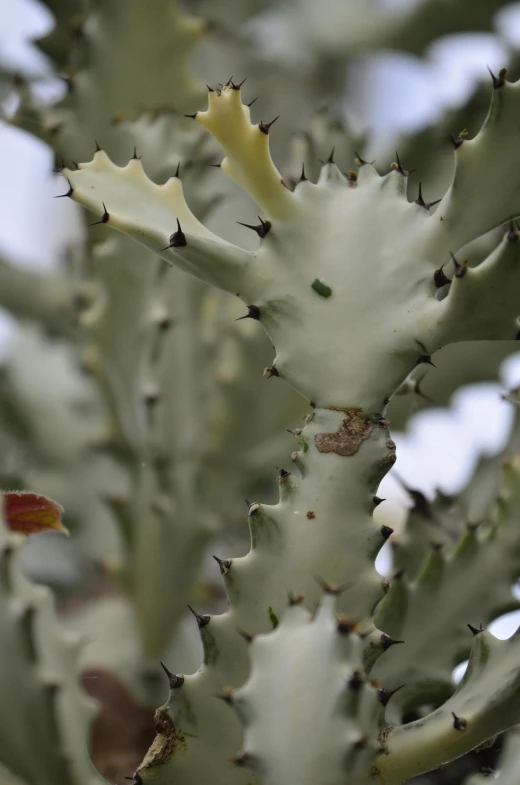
354, 429
169, 740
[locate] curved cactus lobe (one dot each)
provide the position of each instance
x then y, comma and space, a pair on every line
315, 722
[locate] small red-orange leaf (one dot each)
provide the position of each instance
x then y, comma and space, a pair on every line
30, 513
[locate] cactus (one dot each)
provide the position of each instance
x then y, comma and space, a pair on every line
321, 264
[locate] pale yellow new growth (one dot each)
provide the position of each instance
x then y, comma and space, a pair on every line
248, 161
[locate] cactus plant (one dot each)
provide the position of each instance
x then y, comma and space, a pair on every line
328, 251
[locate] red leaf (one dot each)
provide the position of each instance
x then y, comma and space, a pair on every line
30, 513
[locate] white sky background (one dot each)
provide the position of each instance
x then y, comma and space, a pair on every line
400, 92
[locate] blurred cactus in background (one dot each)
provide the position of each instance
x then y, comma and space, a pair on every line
140, 392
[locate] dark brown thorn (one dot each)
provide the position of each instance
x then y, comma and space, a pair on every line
330, 159
361, 162
386, 531
239, 85
250, 104
425, 359
356, 680
98, 148
264, 127
226, 695
69, 192
245, 635
253, 312
229, 82
455, 142
202, 621
377, 500
500, 80
104, 218
460, 269
440, 278
210, 89
262, 229
177, 239
135, 156
385, 695
302, 176
335, 589
224, 565
344, 625
216, 166
387, 641
272, 371
178, 170
458, 722
476, 630
191, 116
283, 474
399, 167
174, 681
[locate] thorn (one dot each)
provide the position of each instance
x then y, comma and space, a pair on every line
455, 142
361, 743
76, 165
386, 531
104, 218
202, 621
242, 759
425, 359
178, 170
229, 82
253, 312
177, 239
264, 127
98, 148
191, 116
361, 162
239, 85
262, 229
387, 641
294, 599
174, 681
399, 167
439, 278
268, 372
283, 474
245, 635
344, 626
69, 192
476, 630
226, 695
356, 681
421, 504
460, 269
135, 156
512, 234
330, 159
385, 695
250, 104
216, 166
500, 80
420, 201
224, 564
302, 176
377, 500
458, 722
210, 89
417, 391
335, 589
59, 169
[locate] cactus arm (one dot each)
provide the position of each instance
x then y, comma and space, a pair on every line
114, 193
323, 697
486, 185
41, 682
485, 703
248, 161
